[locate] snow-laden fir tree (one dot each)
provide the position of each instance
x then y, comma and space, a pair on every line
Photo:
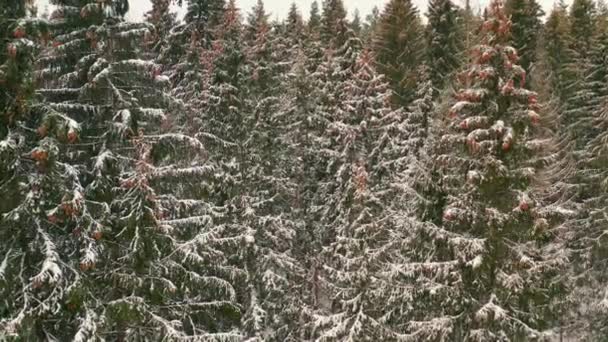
37, 254
398, 44
559, 55
148, 252
491, 266
294, 25
575, 115
363, 135
369, 25
444, 40
419, 116
356, 24
526, 27
305, 115
593, 278
332, 22
591, 274
271, 298
199, 23
163, 20
314, 17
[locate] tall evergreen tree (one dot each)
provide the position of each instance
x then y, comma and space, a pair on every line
444, 42
142, 248
399, 48
558, 51
314, 18
333, 23
489, 267
369, 26
356, 24
526, 26
163, 20
363, 132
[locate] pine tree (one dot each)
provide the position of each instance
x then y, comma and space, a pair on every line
199, 23
369, 26
558, 51
144, 249
488, 268
333, 23
355, 24
582, 31
314, 18
294, 25
444, 42
592, 294
270, 305
163, 20
526, 26
399, 48
363, 133
37, 254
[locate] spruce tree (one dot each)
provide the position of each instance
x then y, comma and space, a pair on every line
489, 267
314, 18
294, 25
444, 41
356, 24
363, 133
369, 26
163, 20
146, 241
333, 23
526, 26
399, 48
559, 54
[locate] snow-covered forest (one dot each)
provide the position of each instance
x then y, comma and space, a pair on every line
394, 176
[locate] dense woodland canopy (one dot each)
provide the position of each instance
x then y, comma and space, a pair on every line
399, 176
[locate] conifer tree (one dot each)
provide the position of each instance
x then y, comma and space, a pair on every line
333, 23
356, 24
444, 42
314, 18
369, 26
488, 264
294, 25
399, 48
37, 255
270, 303
526, 26
593, 298
154, 247
363, 133
558, 51
163, 20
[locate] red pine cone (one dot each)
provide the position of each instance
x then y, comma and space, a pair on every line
72, 137
12, 51
42, 131
448, 215
19, 32
506, 146
97, 235
524, 206
40, 155
508, 87
534, 117
485, 57
464, 124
